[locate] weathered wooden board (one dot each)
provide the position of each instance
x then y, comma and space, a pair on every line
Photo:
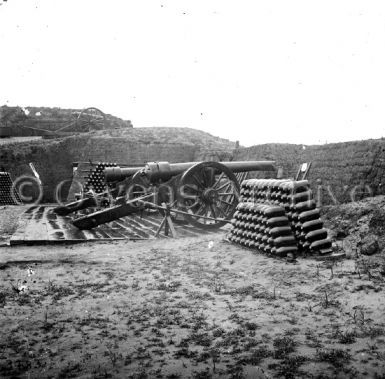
39, 224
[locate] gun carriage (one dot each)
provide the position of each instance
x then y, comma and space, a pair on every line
204, 193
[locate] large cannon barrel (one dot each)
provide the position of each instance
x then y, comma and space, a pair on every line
113, 174
165, 170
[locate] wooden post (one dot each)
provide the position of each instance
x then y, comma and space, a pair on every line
166, 222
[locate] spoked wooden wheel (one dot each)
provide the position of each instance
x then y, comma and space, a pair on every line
209, 193
91, 119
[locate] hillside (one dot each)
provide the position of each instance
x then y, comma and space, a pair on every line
183, 136
358, 227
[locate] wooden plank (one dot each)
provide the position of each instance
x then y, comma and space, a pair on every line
106, 231
70, 232
114, 231
127, 230
142, 226
19, 235
40, 225
60, 228
101, 234
130, 227
186, 229
183, 230
35, 229
153, 222
89, 235
146, 221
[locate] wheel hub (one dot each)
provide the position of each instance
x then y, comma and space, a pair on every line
210, 195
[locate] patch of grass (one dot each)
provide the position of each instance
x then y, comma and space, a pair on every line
314, 341
203, 356
289, 368
218, 332
95, 321
3, 298
196, 295
336, 357
100, 373
169, 287
46, 324
14, 369
251, 325
57, 292
201, 339
283, 346
373, 332
326, 302
203, 374
253, 291
139, 375
184, 352
255, 356
110, 275
250, 343
229, 339
199, 321
347, 337
113, 354
235, 371
24, 300
93, 287
173, 376
71, 370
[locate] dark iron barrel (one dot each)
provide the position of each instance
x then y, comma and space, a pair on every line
165, 170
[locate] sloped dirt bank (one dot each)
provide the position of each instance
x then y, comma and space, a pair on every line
356, 226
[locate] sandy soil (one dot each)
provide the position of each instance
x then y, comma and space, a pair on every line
9, 220
196, 307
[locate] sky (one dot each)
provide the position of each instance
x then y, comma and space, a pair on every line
284, 71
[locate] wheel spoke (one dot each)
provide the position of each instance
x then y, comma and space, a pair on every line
223, 186
197, 180
206, 214
210, 176
219, 179
225, 193
173, 203
192, 205
205, 177
201, 207
225, 202
192, 187
213, 211
220, 211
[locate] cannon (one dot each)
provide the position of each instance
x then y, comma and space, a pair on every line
205, 193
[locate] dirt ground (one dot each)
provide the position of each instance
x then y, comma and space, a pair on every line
192, 307
9, 220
